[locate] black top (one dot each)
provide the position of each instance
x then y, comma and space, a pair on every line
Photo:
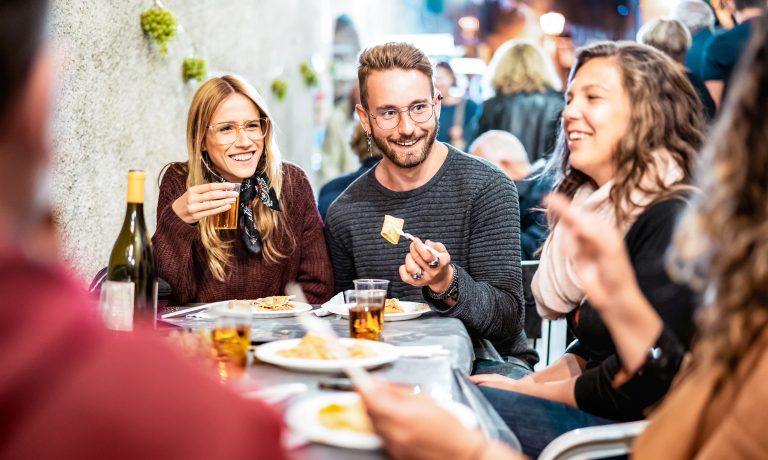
532, 117
469, 125
647, 241
533, 220
704, 96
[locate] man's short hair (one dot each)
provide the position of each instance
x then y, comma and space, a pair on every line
500, 145
21, 29
694, 14
390, 56
667, 35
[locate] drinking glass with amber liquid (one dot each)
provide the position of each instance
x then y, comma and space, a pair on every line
231, 338
366, 308
227, 220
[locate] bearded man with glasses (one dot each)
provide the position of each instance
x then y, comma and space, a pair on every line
468, 266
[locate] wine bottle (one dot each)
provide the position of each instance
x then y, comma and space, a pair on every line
132, 259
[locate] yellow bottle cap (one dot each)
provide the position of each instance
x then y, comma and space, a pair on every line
136, 186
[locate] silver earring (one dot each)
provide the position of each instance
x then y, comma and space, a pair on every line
368, 141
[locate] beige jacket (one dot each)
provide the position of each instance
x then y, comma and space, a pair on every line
713, 414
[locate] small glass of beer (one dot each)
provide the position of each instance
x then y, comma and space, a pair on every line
231, 337
366, 308
227, 220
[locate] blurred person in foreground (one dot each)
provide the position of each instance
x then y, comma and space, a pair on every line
671, 37
279, 234
527, 100
718, 406
68, 388
367, 152
722, 51
465, 209
630, 130
458, 114
697, 16
505, 151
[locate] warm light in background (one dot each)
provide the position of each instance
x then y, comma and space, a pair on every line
469, 24
552, 23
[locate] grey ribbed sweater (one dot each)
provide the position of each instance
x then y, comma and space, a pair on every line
471, 207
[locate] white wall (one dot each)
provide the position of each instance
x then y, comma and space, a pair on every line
122, 105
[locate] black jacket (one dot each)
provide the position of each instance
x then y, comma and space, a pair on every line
533, 117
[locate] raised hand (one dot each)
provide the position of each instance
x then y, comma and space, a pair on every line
204, 200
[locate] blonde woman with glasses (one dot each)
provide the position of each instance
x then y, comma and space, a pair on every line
279, 234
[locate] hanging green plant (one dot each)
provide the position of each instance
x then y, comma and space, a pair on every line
160, 24
279, 88
309, 75
194, 68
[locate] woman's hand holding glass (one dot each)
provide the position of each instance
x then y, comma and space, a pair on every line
204, 200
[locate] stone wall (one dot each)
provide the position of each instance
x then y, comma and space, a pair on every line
122, 105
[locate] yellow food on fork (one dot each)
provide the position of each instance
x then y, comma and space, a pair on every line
392, 228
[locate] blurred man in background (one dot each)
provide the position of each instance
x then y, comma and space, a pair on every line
507, 152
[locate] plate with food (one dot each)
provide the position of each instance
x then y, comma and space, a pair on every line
394, 310
340, 419
263, 307
312, 354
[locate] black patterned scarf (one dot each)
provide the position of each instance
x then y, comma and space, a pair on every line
256, 185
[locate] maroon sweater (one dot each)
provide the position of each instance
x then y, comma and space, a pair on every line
183, 262
68, 389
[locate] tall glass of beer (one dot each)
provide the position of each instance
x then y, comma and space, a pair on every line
366, 308
231, 337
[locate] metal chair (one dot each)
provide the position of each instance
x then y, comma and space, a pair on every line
594, 442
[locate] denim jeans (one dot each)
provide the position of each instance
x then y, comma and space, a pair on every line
513, 368
536, 421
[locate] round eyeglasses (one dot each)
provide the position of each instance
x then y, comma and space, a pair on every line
419, 112
227, 132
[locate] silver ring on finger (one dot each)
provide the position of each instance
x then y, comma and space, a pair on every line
418, 275
435, 262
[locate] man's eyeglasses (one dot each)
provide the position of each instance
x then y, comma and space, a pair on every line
419, 112
227, 132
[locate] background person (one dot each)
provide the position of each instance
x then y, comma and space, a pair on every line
368, 154
631, 128
443, 195
505, 151
230, 137
722, 51
458, 115
672, 38
697, 16
69, 389
527, 100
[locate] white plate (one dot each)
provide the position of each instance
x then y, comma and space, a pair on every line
412, 310
385, 353
303, 419
209, 312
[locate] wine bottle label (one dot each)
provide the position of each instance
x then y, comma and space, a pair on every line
116, 305
135, 186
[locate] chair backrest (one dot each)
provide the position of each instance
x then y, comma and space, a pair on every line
532, 318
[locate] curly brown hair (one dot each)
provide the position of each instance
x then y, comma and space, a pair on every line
722, 243
665, 114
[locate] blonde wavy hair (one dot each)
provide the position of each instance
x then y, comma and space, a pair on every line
665, 114
721, 244
520, 66
206, 101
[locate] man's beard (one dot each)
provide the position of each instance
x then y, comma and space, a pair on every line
409, 159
